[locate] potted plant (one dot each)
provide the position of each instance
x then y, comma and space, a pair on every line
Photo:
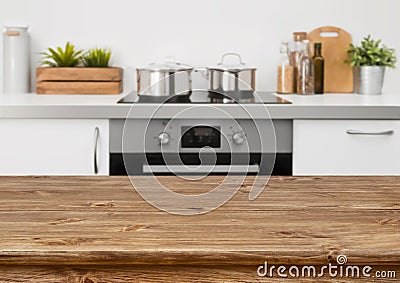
71, 71
97, 58
369, 62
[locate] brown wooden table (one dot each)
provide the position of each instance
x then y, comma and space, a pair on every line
98, 229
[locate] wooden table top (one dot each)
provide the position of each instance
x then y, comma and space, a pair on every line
296, 220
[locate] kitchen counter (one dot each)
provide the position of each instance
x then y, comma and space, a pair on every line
328, 106
98, 229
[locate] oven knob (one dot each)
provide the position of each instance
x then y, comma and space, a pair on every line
238, 138
163, 138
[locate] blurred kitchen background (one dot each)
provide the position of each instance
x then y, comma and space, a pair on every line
198, 32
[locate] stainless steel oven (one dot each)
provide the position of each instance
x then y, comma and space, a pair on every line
200, 146
195, 144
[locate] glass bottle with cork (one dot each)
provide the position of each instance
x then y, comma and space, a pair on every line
319, 65
296, 49
285, 71
305, 73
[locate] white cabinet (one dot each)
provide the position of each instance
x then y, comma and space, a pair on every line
346, 147
54, 147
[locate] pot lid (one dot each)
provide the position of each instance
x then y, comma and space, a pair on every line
172, 66
236, 67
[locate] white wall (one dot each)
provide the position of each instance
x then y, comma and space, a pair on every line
198, 31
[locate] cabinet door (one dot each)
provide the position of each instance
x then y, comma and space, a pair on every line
54, 147
346, 147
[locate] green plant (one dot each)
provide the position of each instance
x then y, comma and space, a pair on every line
67, 57
371, 54
97, 57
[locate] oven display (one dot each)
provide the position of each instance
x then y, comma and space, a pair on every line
201, 136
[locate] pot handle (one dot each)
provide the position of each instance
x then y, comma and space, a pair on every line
203, 71
231, 54
166, 59
170, 59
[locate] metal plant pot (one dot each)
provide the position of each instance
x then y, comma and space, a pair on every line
368, 79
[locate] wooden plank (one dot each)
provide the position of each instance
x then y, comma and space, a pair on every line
47, 87
126, 274
79, 74
103, 220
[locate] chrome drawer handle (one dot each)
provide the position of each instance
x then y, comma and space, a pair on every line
96, 142
381, 133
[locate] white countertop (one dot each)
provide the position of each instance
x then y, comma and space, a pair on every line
327, 106
331, 99
344, 99
33, 99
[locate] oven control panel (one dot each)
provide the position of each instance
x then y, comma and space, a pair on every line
200, 136
193, 135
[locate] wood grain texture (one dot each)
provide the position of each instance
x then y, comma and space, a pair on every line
79, 74
79, 87
165, 273
338, 75
61, 229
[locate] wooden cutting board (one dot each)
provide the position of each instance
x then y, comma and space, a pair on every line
335, 42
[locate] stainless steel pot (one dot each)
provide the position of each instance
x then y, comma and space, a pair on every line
165, 79
226, 77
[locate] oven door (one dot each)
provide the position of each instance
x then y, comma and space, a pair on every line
201, 169
203, 146
191, 164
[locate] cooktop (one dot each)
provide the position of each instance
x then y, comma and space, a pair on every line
198, 96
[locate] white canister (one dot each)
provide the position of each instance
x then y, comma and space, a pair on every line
16, 60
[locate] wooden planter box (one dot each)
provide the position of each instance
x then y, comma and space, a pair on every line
79, 80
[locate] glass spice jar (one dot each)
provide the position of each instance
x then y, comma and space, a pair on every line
296, 49
305, 73
285, 71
